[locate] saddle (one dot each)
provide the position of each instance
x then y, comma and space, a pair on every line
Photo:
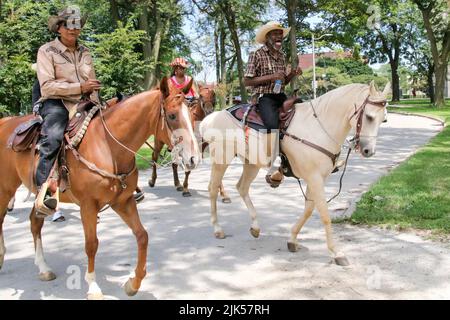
27, 134
249, 115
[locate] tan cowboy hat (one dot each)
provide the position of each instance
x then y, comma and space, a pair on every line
265, 29
65, 15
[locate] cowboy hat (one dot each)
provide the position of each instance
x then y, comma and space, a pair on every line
265, 29
66, 15
179, 62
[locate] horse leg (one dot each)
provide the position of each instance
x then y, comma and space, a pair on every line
176, 180
89, 213
36, 223
309, 207
217, 172
129, 214
11, 204
223, 194
248, 175
318, 195
155, 156
186, 192
5, 197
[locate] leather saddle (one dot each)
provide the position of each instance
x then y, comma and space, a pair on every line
27, 133
249, 115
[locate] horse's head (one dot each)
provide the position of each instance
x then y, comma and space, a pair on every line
367, 118
176, 115
207, 99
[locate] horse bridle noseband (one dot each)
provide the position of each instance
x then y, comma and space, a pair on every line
359, 112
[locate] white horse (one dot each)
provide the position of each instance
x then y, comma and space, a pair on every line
325, 123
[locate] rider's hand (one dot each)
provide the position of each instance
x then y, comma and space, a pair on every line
278, 76
90, 85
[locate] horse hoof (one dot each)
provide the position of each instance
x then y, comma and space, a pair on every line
47, 276
129, 290
226, 200
179, 188
255, 232
219, 234
341, 261
151, 184
186, 194
292, 247
95, 296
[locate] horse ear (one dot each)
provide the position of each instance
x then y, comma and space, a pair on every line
188, 86
387, 89
164, 87
372, 89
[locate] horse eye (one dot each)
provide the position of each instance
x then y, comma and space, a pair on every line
369, 118
172, 116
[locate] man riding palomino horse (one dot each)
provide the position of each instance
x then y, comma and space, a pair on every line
266, 75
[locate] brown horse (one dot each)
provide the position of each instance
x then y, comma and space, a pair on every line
123, 126
199, 108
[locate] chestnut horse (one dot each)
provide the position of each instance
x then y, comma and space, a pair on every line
110, 143
199, 108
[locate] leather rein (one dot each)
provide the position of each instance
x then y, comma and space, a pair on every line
121, 177
359, 112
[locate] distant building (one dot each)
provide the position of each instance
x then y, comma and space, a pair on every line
306, 60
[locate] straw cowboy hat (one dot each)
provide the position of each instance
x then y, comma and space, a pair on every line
179, 62
66, 15
265, 29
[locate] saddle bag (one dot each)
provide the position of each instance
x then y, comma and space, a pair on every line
25, 134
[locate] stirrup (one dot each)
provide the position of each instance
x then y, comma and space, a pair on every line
274, 183
44, 204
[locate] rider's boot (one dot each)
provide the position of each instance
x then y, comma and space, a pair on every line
46, 201
274, 176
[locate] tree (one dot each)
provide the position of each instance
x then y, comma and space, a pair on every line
436, 20
381, 27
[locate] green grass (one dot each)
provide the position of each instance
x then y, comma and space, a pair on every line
417, 193
417, 102
146, 152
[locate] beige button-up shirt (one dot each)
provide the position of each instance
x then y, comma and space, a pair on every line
61, 72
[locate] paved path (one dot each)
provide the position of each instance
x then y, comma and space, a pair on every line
186, 262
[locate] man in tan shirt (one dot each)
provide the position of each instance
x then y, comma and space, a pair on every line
66, 75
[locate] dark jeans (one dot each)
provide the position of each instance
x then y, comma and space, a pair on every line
269, 105
55, 116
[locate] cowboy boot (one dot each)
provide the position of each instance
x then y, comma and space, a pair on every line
45, 202
275, 175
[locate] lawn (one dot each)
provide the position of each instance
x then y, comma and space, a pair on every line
147, 153
417, 193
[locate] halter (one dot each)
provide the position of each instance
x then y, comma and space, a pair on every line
359, 112
200, 100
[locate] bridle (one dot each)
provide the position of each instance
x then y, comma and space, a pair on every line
201, 101
359, 112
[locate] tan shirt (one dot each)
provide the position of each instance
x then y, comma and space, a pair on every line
61, 73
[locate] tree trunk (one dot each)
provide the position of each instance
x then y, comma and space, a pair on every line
440, 53
440, 72
147, 46
217, 51
430, 82
231, 22
291, 6
114, 12
395, 82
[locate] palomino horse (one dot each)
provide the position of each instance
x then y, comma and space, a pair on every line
325, 122
199, 108
123, 126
